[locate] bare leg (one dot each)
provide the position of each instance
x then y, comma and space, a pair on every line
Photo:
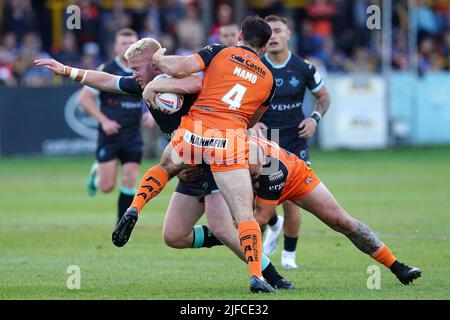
182, 215
130, 172
107, 175
323, 205
236, 188
221, 223
292, 221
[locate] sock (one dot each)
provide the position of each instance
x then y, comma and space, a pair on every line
125, 199
273, 220
250, 238
203, 238
290, 244
384, 256
269, 272
153, 181
395, 267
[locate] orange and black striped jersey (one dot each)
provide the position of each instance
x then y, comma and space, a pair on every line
235, 84
284, 177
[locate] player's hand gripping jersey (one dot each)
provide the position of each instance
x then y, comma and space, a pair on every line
236, 83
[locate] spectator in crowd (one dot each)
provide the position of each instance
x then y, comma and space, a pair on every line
309, 44
333, 31
31, 50
7, 78
20, 18
69, 52
224, 17
190, 32
111, 22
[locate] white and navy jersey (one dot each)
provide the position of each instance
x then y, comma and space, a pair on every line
291, 78
124, 109
166, 122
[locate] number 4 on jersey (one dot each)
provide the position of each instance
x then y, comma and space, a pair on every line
234, 96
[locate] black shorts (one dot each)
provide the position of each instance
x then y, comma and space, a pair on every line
127, 148
290, 141
198, 188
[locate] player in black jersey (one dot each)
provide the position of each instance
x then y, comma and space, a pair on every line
119, 131
192, 198
293, 75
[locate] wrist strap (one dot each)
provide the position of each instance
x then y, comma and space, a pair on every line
316, 117
75, 74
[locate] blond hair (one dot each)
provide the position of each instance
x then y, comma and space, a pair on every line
140, 46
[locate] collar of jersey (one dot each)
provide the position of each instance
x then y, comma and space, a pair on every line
248, 48
125, 69
278, 66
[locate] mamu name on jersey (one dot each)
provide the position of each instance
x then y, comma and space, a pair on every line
244, 74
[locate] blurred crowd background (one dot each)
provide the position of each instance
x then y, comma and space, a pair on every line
332, 32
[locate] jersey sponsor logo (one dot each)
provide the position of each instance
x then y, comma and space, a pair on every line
284, 107
277, 187
237, 58
303, 154
294, 82
244, 74
279, 82
276, 176
199, 141
249, 64
131, 105
308, 180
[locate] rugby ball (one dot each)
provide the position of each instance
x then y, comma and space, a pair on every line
168, 102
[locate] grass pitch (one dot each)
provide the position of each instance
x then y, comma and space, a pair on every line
47, 223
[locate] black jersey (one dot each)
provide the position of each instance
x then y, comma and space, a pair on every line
166, 122
124, 109
292, 78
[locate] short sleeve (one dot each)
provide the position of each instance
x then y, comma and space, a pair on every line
314, 80
129, 85
208, 53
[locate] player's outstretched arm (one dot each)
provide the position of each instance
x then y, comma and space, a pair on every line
189, 85
176, 66
95, 79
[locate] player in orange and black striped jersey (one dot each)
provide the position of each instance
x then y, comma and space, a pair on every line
285, 177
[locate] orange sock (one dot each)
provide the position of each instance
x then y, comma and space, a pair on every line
250, 237
384, 256
154, 180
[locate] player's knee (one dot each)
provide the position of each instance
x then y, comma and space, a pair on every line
342, 223
129, 179
172, 240
106, 185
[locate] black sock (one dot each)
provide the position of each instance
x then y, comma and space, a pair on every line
273, 220
204, 238
395, 266
271, 274
124, 203
290, 243
210, 239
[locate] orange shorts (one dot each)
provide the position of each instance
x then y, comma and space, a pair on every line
223, 150
303, 181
